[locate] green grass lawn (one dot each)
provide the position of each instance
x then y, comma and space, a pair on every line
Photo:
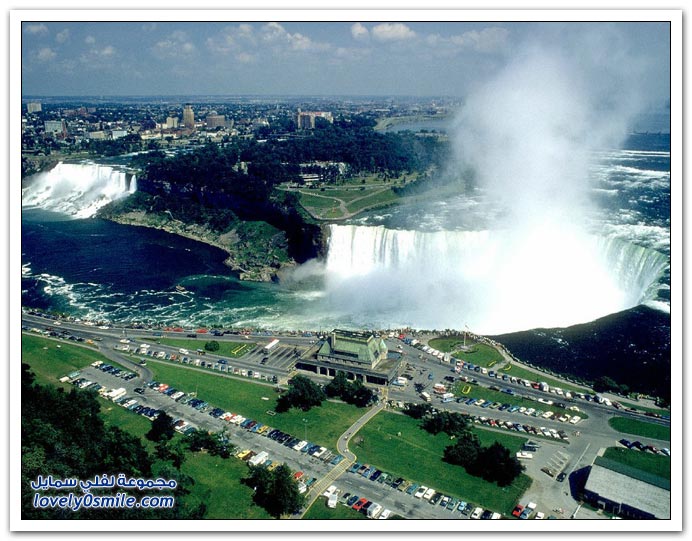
322, 202
640, 428
396, 444
226, 349
521, 372
656, 464
480, 355
320, 511
379, 198
324, 424
446, 344
52, 359
218, 485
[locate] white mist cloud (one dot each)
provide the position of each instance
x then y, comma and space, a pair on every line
528, 131
35, 29
487, 40
62, 37
360, 32
277, 35
176, 45
46, 54
392, 32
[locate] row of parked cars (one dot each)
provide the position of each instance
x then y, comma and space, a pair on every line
642, 447
114, 371
450, 503
528, 411
248, 424
220, 365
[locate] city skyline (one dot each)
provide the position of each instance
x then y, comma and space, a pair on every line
320, 58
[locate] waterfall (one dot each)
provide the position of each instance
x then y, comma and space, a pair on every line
496, 281
78, 190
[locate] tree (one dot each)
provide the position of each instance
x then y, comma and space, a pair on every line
464, 452
604, 384
350, 392
338, 386
276, 491
212, 345
417, 411
302, 393
496, 464
161, 428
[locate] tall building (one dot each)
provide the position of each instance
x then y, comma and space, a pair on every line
33, 107
172, 122
188, 117
305, 120
216, 121
55, 127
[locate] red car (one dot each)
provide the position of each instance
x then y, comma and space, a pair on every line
360, 503
517, 511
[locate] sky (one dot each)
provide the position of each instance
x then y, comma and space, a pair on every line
311, 58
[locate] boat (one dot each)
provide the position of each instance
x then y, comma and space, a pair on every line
180, 289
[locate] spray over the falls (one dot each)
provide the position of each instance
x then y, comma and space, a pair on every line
78, 190
492, 281
529, 134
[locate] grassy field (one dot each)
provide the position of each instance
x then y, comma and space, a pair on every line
218, 485
52, 359
446, 344
523, 373
383, 197
327, 204
397, 444
656, 464
324, 424
226, 349
320, 511
480, 355
640, 428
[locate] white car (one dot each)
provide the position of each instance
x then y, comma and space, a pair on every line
540, 515
385, 514
477, 512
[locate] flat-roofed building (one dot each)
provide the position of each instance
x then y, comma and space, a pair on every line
306, 119
216, 121
55, 127
626, 491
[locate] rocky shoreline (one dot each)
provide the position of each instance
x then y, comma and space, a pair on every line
247, 270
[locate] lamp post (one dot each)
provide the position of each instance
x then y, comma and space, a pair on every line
305, 432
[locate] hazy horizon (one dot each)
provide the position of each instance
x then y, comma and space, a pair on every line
412, 59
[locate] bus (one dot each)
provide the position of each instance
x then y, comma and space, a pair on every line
271, 345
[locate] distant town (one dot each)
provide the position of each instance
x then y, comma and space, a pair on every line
72, 126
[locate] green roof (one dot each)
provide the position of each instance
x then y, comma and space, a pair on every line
363, 347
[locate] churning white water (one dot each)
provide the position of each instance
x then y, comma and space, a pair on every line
493, 281
78, 190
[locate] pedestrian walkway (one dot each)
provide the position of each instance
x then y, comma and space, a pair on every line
349, 458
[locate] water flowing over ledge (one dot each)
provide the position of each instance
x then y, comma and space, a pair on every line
78, 190
494, 281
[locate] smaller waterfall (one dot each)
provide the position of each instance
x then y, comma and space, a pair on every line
78, 190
